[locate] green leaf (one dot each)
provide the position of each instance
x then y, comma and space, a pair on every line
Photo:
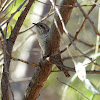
80, 71
91, 87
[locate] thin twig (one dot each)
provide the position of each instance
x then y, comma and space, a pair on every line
73, 88
83, 42
78, 30
86, 52
48, 15
15, 59
64, 28
73, 69
20, 80
77, 33
86, 16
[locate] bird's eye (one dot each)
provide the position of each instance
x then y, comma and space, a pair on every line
41, 25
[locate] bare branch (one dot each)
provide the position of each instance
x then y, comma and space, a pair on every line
8, 45
20, 80
64, 29
15, 59
79, 29
48, 15
76, 56
73, 69
86, 16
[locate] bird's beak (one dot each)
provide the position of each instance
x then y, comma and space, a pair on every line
34, 23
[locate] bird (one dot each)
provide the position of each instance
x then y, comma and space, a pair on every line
45, 41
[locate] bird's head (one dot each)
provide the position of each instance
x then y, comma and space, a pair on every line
41, 28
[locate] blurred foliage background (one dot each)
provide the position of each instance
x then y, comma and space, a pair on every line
27, 48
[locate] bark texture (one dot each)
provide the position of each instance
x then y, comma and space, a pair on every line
8, 46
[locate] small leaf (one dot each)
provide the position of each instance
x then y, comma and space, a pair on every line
91, 87
80, 70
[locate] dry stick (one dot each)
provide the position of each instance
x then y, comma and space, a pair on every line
66, 67
78, 31
82, 27
83, 42
73, 69
83, 22
8, 46
86, 52
86, 16
64, 28
20, 80
15, 59
73, 88
48, 15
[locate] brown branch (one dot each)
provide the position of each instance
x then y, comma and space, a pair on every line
8, 45
5, 74
48, 15
73, 69
77, 33
83, 42
20, 80
15, 59
64, 28
86, 16
76, 56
